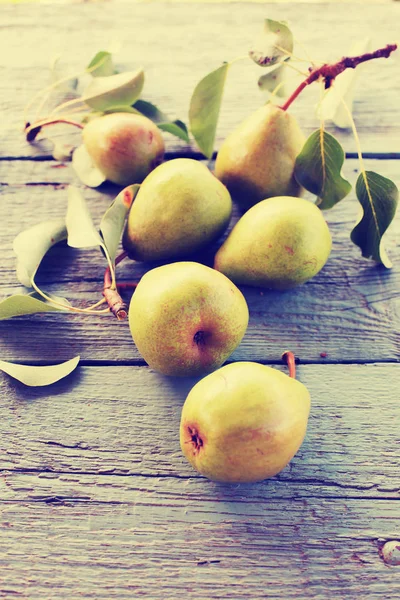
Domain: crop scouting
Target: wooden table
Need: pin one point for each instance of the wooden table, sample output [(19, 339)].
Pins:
[(96, 500)]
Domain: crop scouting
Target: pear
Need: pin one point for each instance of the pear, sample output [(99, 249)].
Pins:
[(186, 319), (244, 422), (124, 147), (279, 243), (180, 208), (256, 161)]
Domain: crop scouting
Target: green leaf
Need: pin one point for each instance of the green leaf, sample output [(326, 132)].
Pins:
[(113, 221), (150, 110), (31, 245), (20, 304), (39, 376), (318, 168), (204, 109), (275, 44), (274, 81), (177, 128), (123, 89), (81, 231), (122, 108), (85, 168), (101, 65), (378, 197)]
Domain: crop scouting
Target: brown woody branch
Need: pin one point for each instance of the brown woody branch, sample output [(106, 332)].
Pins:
[(329, 72)]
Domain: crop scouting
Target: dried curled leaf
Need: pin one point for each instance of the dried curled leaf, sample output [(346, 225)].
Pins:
[(31, 245), (85, 168), (81, 231), (122, 89), (274, 81), (39, 376), (29, 304), (274, 45), (113, 221)]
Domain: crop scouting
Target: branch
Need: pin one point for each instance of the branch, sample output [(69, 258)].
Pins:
[(31, 131), (117, 306), (330, 72)]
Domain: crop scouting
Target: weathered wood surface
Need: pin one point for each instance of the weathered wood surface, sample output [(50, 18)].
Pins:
[(96, 499), (176, 53), (351, 310), (161, 544), (92, 424)]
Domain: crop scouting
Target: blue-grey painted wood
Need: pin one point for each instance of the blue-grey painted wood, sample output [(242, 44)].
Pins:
[(158, 541), (125, 420), (350, 311), (178, 44)]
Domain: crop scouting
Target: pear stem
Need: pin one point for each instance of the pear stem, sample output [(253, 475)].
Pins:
[(289, 358), (117, 306), (31, 131), (329, 72)]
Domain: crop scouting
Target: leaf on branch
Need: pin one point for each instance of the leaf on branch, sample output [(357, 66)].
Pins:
[(122, 89), (152, 112), (81, 231), (274, 81), (204, 109), (20, 304), (378, 197), (343, 89), (85, 168), (176, 128), (101, 64), (275, 44), (112, 223), (318, 168), (31, 245), (39, 376)]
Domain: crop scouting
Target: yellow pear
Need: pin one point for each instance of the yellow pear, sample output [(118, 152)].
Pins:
[(279, 243), (256, 161), (186, 319), (123, 146), (244, 422), (180, 208)]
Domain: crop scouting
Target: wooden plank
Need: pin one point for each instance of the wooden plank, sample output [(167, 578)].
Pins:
[(164, 545), (176, 53), (350, 310), (125, 420)]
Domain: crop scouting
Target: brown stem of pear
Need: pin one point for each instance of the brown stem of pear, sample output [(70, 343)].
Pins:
[(289, 359), (31, 131), (117, 306), (329, 72)]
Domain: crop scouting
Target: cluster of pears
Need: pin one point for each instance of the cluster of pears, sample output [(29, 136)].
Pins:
[(244, 421)]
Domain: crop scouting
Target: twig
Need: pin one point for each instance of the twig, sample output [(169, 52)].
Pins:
[(329, 72), (118, 307)]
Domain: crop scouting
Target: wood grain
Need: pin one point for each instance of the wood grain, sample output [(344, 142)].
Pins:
[(350, 311), (178, 44), (125, 420), (163, 544)]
